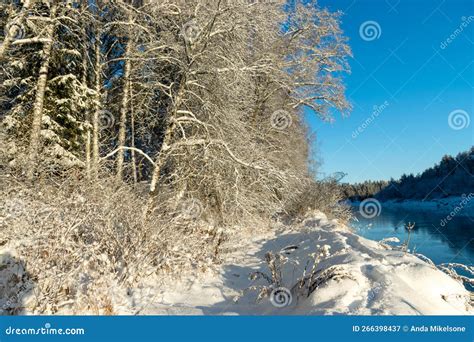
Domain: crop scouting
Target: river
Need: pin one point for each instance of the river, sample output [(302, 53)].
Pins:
[(442, 243)]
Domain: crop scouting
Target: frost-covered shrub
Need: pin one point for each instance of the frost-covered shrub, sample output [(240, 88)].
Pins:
[(279, 284), (86, 245), (324, 196)]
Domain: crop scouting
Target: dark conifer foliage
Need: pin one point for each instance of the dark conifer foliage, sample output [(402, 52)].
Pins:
[(452, 176)]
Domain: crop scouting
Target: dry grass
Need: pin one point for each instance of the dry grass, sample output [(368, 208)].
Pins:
[(85, 245), (317, 195), (78, 240), (312, 277)]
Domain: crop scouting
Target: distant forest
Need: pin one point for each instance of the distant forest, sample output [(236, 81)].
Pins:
[(452, 176)]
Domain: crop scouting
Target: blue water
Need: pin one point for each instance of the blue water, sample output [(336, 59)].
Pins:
[(452, 243)]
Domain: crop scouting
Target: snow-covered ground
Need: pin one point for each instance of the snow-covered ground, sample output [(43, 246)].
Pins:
[(381, 282), (370, 279)]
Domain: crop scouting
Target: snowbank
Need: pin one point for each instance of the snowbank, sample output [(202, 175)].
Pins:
[(370, 280), (381, 282)]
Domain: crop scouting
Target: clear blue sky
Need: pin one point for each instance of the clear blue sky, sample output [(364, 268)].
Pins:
[(421, 82)]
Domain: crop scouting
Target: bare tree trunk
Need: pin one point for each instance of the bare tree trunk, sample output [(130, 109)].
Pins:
[(157, 171), (88, 113), (97, 109), (123, 111), (132, 128), (161, 158), (166, 142), (162, 155), (39, 98)]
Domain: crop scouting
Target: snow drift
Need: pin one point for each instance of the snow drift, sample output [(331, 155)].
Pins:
[(372, 279), (380, 281)]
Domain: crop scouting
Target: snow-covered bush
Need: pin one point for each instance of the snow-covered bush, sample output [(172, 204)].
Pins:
[(324, 196), (84, 246), (278, 286)]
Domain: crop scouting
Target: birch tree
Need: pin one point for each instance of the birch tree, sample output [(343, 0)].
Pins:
[(40, 92), (205, 98)]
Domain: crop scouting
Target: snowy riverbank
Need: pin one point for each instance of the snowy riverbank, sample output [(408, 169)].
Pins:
[(462, 206), (380, 281), (454, 205), (367, 279)]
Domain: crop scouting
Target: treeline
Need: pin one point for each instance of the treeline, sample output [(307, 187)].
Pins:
[(453, 176), (200, 99), (139, 137), (361, 191)]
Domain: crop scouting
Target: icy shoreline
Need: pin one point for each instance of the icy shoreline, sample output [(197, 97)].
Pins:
[(380, 281), (460, 205), (371, 279)]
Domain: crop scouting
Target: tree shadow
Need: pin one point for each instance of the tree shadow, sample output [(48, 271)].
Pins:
[(15, 285), (236, 277)]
